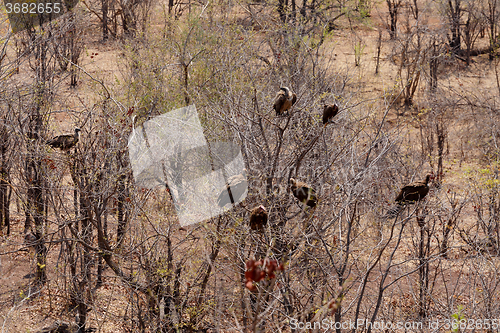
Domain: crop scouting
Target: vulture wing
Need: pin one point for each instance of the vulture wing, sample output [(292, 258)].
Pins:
[(304, 193), (311, 199), (279, 103), (329, 111), (63, 142), (289, 101), (286, 106), (413, 192)]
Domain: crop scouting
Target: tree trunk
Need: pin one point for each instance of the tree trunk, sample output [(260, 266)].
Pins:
[(4, 199), (85, 283), (75, 49), (393, 6), (105, 8), (379, 46), (492, 22), (433, 67), (441, 137), (36, 209), (100, 264), (120, 231), (5, 189), (423, 271), (170, 6), (33, 169), (455, 14)]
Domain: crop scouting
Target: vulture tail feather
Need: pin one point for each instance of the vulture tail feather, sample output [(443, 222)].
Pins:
[(394, 211)]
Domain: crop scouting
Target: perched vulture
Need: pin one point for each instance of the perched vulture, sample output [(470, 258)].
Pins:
[(284, 101), (329, 111), (258, 218), (235, 188), (412, 192), (303, 192), (65, 142)]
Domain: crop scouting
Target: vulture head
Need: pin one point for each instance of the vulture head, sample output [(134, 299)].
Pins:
[(286, 90)]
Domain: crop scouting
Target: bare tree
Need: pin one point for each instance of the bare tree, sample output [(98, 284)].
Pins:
[(454, 11), (471, 27), (491, 13), (6, 160), (394, 7), (34, 172)]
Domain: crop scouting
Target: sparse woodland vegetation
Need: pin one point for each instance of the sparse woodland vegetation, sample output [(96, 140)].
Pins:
[(417, 87)]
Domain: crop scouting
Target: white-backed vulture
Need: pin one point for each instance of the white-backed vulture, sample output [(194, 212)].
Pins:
[(284, 101), (303, 192)]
